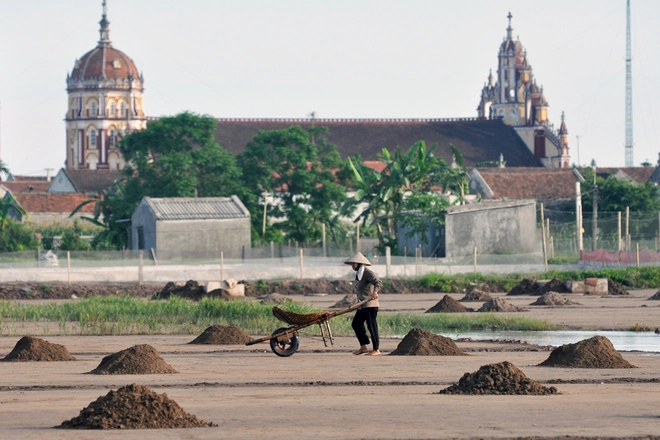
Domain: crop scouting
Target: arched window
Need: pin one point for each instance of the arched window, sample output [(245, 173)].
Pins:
[(93, 109), (122, 109), (113, 109), (92, 138), (113, 137)]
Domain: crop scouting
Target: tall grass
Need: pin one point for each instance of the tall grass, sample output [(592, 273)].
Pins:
[(129, 315)]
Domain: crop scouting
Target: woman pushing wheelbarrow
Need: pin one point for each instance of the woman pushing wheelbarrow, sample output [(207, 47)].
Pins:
[(284, 341), (367, 286)]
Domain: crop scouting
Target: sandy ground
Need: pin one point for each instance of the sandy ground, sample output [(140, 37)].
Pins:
[(330, 394)]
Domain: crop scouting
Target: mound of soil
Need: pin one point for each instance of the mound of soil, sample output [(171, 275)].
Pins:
[(134, 407), (342, 287), (596, 352), (65, 291), (476, 295), (29, 349), (499, 305), (614, 288), (222, 335), (554, 285), (448, 305), (486, 287), (274, 298), (553, 299), (502, 378), (139, 359), (345, 302), (420, 342), (656, 296), (526, 287)]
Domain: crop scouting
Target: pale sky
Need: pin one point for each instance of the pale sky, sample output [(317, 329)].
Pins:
[(338, 58)]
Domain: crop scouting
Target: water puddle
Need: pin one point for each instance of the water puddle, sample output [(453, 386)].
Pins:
[(622, 340)]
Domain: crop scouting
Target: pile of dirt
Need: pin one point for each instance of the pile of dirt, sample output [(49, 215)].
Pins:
[(526, 287), (134, 407), (554, 285), (139, 359), (274, 298), (614, 288), (596, 352), (345, 302), (420, 342), (499, 305), (476, 295), (448, 305), (656, 296), (336, 287), (222, 335), (502, 378), (66, 291), (191, 290), (553, 299), (29, 349)]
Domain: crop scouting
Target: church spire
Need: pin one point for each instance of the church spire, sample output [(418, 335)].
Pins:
[(105, 29), (509, 30)]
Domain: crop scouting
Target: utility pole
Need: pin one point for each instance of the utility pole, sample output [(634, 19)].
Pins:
[(594, 233)]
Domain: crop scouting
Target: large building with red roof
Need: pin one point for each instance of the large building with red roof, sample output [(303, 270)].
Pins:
[(105, 101)]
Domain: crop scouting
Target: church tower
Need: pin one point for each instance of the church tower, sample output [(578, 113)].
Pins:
[(105, 102), (518, 101)]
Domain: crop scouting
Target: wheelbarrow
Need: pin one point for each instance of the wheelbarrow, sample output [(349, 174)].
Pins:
[(284, 341)]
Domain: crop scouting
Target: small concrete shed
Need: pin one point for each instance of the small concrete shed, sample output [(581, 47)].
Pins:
[(191, 227)]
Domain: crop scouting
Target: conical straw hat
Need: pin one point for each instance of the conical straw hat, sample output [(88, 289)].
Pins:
[(359, 259)]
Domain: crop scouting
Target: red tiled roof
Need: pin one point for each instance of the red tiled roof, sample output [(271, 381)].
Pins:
[(23, 186), (30, 178), (55, 203), (478, 140), (530, 183), (640, 175)]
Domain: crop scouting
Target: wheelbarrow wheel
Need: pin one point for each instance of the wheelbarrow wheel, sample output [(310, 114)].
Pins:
[(285, 347)]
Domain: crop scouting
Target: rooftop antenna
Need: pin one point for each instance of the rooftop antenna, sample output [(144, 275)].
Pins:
[(629, 116)]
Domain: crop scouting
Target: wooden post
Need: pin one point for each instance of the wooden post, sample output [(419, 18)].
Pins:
[(222, 266), (545, 249), (627, 228), (578, 217), (357, 239), (594, 226), (475, 260), (619, 230), (637, 254), (153, 255), (580, 230), (301, 263), (272, 250), (140, 273), (39, 256), (405, 252), (388, 261), (263, 229), (552, 247), (323, 239), (68, 267)]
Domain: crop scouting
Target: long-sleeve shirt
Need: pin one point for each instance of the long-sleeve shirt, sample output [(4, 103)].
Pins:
[(365, 287)]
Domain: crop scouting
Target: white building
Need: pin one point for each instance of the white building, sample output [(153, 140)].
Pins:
[(105, 102)]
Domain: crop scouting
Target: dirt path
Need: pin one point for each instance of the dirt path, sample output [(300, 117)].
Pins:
[(331, 394)]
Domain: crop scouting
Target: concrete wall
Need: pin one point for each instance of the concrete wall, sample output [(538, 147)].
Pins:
[(494, 227), (190, 237)]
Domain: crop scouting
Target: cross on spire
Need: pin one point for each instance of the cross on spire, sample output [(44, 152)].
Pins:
[(509, 30)]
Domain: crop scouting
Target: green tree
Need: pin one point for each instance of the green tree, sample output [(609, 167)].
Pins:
[(405, 192), (178, 157), (16, 237), (71, 240), (615, 195), (296, 169)]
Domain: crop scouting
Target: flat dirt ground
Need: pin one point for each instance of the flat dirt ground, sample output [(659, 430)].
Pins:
[(327, 393)]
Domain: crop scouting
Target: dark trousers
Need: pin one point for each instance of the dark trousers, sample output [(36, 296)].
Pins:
[(368, 315)]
